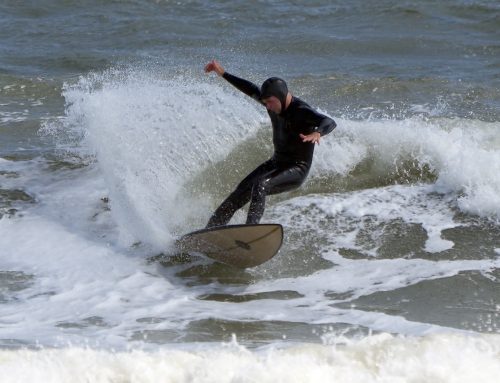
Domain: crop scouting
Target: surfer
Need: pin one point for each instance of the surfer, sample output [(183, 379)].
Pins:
[(296, 129)]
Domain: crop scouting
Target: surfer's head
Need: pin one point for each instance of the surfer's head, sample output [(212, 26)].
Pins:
[(273, 94)]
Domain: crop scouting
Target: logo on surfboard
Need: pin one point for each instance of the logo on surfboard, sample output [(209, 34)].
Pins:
[(242, 245)]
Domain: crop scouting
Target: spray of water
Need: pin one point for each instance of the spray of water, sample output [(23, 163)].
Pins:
[(152, 135)]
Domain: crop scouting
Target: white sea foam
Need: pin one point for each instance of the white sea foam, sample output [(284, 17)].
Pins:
[(74, 279), (348, 212), (464, 154), (437, 358)]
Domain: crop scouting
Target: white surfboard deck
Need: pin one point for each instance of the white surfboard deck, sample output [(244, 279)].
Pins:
[(236, 245)]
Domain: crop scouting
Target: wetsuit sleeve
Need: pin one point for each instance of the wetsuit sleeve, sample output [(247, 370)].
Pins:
[(323, 124), (245, 86), (326, 126)]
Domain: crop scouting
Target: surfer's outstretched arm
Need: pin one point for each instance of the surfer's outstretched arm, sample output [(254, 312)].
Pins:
[(245, 86)]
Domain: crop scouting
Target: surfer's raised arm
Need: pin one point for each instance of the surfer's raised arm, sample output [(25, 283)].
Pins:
[(245, 86)]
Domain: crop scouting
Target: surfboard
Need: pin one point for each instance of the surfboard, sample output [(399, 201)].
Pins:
[(241, 246)]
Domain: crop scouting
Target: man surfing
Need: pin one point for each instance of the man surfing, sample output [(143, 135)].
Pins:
[(296, 129)]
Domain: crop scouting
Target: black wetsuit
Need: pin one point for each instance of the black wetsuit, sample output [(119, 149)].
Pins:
[(288, 167)]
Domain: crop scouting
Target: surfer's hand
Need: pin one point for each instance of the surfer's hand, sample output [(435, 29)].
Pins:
[(313, 137), (214, 66)]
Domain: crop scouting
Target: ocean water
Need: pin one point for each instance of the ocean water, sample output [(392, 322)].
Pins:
[(113, 142)]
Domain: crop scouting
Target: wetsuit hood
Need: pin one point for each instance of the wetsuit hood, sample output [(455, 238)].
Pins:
[(276, 87)]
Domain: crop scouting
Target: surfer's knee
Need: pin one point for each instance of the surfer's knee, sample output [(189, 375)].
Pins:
[(261, 186)]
